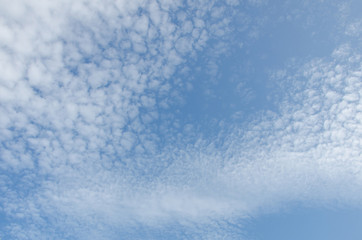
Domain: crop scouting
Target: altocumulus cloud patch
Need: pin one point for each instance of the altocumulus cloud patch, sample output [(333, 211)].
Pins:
[(96, 141)]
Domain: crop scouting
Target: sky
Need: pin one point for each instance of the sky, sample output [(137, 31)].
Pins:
[(190, 119)]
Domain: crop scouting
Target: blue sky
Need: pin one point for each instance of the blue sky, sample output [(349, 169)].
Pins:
[(180, 119)]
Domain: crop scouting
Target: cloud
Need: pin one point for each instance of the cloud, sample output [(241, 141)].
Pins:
[(307, 152), (81, 84), (82, 92), (81, 71)]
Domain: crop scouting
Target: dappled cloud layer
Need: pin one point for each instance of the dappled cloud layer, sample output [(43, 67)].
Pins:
[(82, 90)]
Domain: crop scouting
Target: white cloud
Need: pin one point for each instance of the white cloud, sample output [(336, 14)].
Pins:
[(309, 152), (74, 109), (80, 90)]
